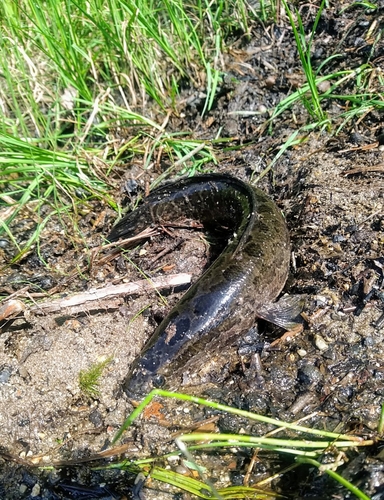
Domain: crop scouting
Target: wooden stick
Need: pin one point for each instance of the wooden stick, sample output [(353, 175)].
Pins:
[(109, 292)]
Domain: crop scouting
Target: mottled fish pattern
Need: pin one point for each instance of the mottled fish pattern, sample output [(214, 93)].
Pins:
[(237, 288)]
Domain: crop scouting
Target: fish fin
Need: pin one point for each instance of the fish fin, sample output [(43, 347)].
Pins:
[(285, 313)]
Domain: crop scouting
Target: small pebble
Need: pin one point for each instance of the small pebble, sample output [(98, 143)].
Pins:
[(323, 86), (338, 238), (321, 300), (356, 138), (270, 81), (309, 375), (369, 342), (5, 375), (181, 469), (23, 372), (96, 418), (131, 186), (329, 354), (320, 343), (23, 488), (262, 109), (35, 490)]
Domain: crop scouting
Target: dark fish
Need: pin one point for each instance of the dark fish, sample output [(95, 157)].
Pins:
[(80, 492), (238, 287)]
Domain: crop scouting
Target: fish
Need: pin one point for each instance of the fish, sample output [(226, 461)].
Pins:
[(240, 286)]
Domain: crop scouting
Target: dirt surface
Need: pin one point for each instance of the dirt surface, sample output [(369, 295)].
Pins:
[(331, 190)]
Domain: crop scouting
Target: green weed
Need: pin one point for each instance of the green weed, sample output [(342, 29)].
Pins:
[(310, 448), (304, 46), (89, 379)]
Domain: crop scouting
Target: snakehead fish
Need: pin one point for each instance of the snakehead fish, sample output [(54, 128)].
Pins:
[(240, 285)]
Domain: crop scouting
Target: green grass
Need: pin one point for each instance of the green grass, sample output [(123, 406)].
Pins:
[(111, 51), (310, 447), (358, 90), (33, 179), (304, 46), (89, 379)]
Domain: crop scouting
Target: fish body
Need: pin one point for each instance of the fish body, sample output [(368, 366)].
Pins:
[(237, 288)]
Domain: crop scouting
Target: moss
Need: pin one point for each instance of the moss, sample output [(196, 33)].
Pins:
[(89, 379)]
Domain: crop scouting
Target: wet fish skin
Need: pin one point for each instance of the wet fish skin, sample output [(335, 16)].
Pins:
[(236, 289)]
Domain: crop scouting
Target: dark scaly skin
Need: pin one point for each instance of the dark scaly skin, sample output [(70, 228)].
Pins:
[(225, 302)]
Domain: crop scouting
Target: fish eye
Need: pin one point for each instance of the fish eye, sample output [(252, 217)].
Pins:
[(158, 381)]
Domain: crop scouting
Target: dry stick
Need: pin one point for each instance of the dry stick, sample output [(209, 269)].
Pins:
[(364, 169), (110, 291), (366, 147)]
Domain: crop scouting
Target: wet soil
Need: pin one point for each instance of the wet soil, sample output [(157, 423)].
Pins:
[(331, 190)]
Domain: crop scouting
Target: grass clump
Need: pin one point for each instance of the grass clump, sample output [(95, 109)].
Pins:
[(61, 61), (304, 46), (71, 75), (319, 448), (89, 379)]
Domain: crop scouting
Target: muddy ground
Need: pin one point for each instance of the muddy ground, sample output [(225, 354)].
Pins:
[(331, 191)]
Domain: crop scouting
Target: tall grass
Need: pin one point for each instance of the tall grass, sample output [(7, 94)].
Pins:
[(55, 55), (82, 81), (304, 47)]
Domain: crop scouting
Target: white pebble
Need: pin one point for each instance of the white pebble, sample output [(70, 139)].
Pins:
[(320, 343), (35, 490)]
